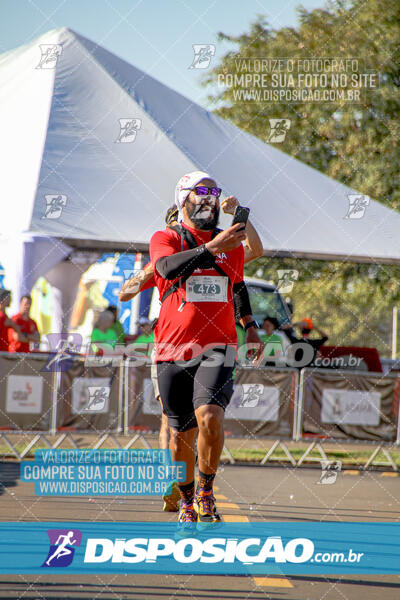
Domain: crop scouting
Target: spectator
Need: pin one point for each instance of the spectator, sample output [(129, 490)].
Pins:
[(146, 335), (117, 326), (103, 331), (270, 332), (306, 326), (19, 341), (5, 321)]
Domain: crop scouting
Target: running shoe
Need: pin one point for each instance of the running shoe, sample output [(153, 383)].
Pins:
[(171, 497), (187, 520), (204, 505)]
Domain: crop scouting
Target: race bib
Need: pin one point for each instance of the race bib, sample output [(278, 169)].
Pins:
[(206, 288)]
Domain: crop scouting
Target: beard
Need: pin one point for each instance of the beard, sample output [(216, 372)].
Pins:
[(203, 216)]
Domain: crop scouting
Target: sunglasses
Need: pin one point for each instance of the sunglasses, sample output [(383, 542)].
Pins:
[(202, 190)]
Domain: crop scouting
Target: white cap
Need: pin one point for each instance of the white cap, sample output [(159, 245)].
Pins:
[(182, 191)]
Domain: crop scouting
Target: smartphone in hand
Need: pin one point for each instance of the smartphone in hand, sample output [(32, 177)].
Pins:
[(240, 215)]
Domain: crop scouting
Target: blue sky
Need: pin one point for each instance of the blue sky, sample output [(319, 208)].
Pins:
[(154, 35)]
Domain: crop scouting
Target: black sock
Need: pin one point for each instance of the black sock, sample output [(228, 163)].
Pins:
[(206, 481), (187, 492)]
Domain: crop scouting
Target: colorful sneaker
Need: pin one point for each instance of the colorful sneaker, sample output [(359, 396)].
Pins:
[(204, 505), (171, 497), (187, 520)]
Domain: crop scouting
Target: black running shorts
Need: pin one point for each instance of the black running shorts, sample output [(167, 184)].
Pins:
[(185, 386)]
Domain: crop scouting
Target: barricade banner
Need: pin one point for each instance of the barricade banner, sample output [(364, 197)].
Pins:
[(262, 403), (89, 397), (345, 404), (26, 392)]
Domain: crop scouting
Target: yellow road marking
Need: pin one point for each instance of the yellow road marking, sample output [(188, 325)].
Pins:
[(234, 519), (228, 505), (220, 497), (389, 474), (216, 488), (272, 582), (351, 472)]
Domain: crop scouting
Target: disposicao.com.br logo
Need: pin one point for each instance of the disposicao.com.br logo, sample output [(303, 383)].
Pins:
[(232, 548), (61, 551), (190, 550)]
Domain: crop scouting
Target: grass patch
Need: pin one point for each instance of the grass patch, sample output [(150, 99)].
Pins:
[(356, 457), (255, 455)]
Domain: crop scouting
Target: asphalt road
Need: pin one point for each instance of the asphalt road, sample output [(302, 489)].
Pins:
[(244, 493)]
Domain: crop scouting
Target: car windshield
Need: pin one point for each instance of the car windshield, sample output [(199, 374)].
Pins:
[(265, 301)]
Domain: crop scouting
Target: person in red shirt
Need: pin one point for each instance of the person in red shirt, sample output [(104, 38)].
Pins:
[(19, 341), (144, 279), (199, 275), (5, 322)]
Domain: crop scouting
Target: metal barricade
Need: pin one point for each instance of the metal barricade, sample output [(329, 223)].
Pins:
[(348, 407)]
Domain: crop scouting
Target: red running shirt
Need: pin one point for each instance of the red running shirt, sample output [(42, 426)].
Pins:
[(26, 326), (3, 332), (200, 325)]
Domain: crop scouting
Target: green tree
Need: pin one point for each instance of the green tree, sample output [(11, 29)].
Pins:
[(356, 144), (353, 303)]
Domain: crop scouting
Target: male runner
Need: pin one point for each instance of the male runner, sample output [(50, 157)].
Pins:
[(145, 278), (198, 287)]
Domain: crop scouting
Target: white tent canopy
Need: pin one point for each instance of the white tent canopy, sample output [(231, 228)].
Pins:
[(60, 128)]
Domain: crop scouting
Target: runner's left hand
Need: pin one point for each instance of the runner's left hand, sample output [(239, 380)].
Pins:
[(229, 205)]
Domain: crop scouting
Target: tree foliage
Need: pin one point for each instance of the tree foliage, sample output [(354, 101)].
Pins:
[(356, 144)]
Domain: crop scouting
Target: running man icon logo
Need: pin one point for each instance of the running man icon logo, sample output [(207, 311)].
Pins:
[(62, 347), (357, 206), (98, 397), (279, 129), (139, 275), (203, 54), (330, 470), (287, 279), (62, 547), (128, 130), (55, 204), (50, 54), (252, 394)]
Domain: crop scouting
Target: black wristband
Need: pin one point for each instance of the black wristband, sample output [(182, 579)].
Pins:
[(251, 324), (241, 300)]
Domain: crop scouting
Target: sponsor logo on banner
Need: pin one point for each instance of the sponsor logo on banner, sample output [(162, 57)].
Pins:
[(253, 402), (90, 395), (24, 394), (61, 551), (350, 407)]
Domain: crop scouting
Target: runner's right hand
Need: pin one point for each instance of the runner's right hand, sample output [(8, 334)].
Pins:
[(227, 240)]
